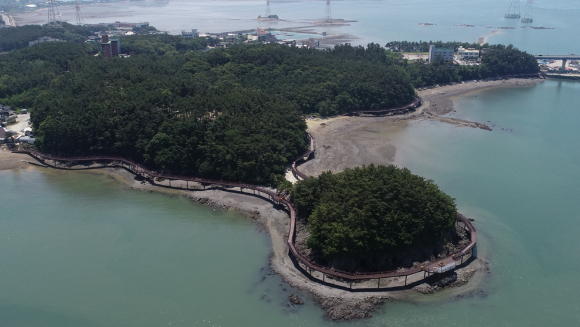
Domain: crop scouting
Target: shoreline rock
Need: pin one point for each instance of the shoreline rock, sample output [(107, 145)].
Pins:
[(295, 299)]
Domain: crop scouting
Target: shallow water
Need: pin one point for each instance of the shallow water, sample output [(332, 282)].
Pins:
[(78, 249), (521, 185)]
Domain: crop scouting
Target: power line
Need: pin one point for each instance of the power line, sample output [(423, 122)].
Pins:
[(79, 20), (514, 9), (528, 16), (327, 13), (268, 12), (53, 15)]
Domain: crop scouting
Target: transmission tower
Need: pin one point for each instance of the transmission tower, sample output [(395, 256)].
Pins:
[(53, 15), (268, 12), (529, 11), (327, 15), (514, 10), (80, 20)]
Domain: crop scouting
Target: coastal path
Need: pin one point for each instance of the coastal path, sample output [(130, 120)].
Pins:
[(309, 267)]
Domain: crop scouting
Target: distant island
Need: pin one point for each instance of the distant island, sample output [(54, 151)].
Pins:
[(269, 17)]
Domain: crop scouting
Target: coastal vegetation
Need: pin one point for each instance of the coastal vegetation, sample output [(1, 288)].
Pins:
[(163, 44), (423, 46), (500, 61), (27, 72), (361, 216), (19, 36), (228, 113), (234, 113)]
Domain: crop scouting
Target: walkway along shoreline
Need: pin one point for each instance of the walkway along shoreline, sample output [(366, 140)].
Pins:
[(438, 266)]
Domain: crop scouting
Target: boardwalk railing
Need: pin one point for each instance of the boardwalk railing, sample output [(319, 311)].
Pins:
[(393, 110), (431, 267)]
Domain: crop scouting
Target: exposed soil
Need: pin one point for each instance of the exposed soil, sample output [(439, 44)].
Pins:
[(348, 142), (9, 160)]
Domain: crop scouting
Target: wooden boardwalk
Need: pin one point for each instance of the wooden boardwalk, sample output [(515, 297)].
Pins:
[(437, 266)]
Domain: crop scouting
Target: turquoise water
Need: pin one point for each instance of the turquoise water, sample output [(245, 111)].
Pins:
[(522, 188), (77, 249)]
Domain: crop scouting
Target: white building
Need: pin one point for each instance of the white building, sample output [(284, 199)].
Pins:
[(446, 54), (467, 54)]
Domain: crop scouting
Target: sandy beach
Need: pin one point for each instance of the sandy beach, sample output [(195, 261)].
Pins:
[(348, 142), (341, 142)]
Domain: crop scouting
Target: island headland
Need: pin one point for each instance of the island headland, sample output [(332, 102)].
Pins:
[(225, 120), (340, 304)]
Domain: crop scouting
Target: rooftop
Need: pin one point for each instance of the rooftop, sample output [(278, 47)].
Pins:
[(443, 49)]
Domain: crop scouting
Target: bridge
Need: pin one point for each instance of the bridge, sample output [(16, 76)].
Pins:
[(564, 58)]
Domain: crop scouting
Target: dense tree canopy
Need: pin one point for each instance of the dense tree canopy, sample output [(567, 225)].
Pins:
[(19, 36), (26, 72), (162, 44), (375, 209), (423, 46), (227, 113), (498, 62), (232, 114)]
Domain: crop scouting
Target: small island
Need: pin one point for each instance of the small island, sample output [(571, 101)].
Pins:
[(375, 218), (269, 17)]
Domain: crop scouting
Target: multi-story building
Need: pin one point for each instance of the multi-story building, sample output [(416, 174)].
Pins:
[(446, 54), (467, 54), (110, 47)]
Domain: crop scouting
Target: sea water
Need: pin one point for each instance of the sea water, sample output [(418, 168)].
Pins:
[(379, 21), (520, 182), (80, 249)]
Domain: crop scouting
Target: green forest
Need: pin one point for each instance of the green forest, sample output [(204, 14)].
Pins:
[(163, 44), (499, 62), (362, 213), (18, 37), (423, 46), (234, 113)]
